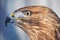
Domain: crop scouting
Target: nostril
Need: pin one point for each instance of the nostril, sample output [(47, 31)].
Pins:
[(12, 15)]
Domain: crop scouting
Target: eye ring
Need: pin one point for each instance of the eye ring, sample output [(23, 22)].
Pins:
[(27, 13)]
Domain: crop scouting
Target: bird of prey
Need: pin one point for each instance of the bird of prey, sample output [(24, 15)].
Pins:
[(39, 22)]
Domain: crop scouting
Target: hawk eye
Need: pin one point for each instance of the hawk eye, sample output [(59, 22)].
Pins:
[(27, 13)]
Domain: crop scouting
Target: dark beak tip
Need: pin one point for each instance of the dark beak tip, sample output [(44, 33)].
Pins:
[(7, 20)]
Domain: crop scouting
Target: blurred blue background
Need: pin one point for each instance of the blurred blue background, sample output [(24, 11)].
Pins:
[(12, 32)]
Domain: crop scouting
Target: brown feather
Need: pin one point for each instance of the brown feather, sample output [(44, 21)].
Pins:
[(43, 24)]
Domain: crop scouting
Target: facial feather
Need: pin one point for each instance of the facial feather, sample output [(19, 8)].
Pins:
[(43, 24)]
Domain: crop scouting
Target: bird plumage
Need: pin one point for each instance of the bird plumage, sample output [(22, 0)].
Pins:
[(42, 24)]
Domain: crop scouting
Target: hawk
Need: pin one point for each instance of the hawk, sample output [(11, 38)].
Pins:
[(39, 22)]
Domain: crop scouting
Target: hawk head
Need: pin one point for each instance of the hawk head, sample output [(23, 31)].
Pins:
[(35, 20)]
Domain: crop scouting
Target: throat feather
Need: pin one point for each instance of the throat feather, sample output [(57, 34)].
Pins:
[(41, 34)]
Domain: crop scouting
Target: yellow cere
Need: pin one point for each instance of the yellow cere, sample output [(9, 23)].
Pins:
[(12, 14)]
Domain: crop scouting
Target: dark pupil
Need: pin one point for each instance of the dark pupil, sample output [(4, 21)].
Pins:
[(27, 13)]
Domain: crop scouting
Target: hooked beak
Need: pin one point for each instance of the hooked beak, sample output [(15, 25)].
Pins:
[(8, 19)]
